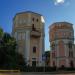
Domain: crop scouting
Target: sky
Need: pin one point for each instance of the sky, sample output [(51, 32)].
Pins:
[(52, 10)]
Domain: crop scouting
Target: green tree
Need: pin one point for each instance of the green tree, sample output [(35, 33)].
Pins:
[(9, 57), (1, 32)]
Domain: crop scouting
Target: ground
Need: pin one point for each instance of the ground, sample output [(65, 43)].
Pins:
[(33, 74)]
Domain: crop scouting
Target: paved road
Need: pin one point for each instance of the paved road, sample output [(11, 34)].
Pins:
[(32, 74)]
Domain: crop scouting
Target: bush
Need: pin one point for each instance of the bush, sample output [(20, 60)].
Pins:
[(38, 69)]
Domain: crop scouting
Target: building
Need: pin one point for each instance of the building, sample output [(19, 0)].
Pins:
[(61, 37), (28, 29)]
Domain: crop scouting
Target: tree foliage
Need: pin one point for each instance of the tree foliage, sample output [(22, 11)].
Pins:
[(9, 57), (1, 32)]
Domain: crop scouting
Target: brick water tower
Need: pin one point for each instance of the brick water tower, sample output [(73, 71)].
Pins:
[(61, 37)]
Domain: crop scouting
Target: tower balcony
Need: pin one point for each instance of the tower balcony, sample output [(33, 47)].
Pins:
[(35, 34)]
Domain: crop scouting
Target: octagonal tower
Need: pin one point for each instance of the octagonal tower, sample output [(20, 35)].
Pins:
[(28, 29), (61, 37)]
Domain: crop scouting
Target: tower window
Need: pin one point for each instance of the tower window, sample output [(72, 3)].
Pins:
[(37, 20), (70, 45), (70, 53), (33, 19), (34, 49), (33, 28)]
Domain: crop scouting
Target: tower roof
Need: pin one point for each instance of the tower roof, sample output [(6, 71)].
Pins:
[(59, 23), (28, 12)]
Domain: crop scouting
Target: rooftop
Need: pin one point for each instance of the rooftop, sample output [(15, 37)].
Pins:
[(27, 12), (59, 23)]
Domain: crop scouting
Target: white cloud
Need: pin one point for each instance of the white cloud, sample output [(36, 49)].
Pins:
[(56, 2)]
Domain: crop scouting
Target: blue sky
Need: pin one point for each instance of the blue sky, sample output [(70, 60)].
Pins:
[(52, 10)]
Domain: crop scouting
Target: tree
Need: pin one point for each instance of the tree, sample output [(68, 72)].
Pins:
[(9, 57), (1, 32)]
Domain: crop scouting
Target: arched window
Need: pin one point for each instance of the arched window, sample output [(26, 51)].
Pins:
[(37, 20), (34, 49), (33, 28)]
